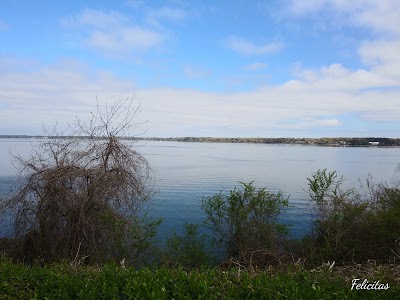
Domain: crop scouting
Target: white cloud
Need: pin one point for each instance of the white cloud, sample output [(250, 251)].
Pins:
[(156, 16), (55, 94), (379, 54), (313, 6), (96, 19), (195, 72), (124, 39), (245, 47), (380, 16), (303, 7), (135, 3), (58, 93), (256, 66), (113, 33), (328, 122), (303, 124), (337, 78), (332, 71), (382, 56)]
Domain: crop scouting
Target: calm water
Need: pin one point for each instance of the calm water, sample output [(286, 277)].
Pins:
[(186, 172)]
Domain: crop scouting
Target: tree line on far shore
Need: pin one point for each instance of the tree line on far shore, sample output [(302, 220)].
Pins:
[(337, 141), (326, 141)]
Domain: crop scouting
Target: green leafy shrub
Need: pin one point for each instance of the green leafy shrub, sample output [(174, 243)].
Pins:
[(351, 227), (189, 250), (245, 224), (384, 223)]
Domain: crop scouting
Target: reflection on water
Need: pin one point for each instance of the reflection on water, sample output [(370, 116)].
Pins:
[(186, 172)]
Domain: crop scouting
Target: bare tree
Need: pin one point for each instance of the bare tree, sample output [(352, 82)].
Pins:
[(82, 192)]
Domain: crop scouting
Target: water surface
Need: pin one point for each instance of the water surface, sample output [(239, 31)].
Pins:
[(186, 172)]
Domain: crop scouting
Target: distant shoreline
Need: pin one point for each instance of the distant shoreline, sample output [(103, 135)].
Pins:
[(337, 141)]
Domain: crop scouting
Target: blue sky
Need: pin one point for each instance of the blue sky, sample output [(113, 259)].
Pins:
[(278, 68)]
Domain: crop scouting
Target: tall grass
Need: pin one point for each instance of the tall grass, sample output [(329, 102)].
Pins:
[(61, 281)]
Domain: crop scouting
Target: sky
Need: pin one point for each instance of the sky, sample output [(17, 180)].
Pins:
[(276, 68)]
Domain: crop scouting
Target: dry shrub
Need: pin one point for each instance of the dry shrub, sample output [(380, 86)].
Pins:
[(81, 193)]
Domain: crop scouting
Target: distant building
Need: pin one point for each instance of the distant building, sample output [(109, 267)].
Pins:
[(342, 143), (373, 143)]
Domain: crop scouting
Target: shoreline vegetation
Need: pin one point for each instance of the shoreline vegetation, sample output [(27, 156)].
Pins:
[(66, 281), (81, 230), (260, 260), (336, 141)]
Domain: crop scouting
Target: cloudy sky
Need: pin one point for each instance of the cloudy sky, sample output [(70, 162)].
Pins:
[(276, 68)]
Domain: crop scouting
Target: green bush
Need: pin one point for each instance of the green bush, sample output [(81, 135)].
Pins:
[(384, 223), (245, 224), (190, 250), (351, 227)]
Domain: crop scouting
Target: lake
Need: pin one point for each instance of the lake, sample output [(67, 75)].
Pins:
[(186, 172)]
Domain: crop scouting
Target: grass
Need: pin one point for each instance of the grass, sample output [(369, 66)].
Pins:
[(62, 281)]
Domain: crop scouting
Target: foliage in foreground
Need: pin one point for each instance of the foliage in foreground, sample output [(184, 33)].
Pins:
[(245, 224), (349, 228), (80, 197), (189, 250), (113, 282), (352, 227)]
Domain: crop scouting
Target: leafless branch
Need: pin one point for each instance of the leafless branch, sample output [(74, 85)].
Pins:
[(78, 190)]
